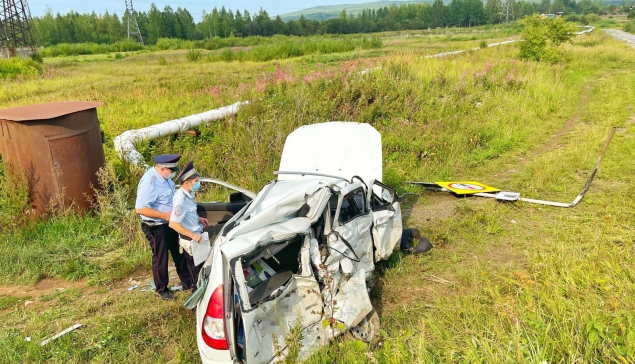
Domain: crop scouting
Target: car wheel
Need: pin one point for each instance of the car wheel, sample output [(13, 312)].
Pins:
[(368, 330)]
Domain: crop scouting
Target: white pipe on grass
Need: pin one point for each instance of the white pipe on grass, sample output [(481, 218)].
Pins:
[(589, 29), (124, 142)]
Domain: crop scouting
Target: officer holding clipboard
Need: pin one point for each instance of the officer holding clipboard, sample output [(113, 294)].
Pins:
[(185, 220)]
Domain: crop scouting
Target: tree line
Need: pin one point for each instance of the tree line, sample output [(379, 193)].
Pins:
[(168, 23)]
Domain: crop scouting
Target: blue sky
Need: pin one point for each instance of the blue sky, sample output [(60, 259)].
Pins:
[(195, 7)]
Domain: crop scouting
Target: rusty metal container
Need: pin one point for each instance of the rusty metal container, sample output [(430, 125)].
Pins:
[(56, 148)]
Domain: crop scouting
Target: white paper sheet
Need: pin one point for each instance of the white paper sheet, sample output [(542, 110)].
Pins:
[(200, 251)]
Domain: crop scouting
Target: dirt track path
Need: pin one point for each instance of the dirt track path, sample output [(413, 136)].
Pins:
[(626, 37), (35, 296)]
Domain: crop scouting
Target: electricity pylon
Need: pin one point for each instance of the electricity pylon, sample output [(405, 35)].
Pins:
[(15, 28), (507, 14), (133, 27)]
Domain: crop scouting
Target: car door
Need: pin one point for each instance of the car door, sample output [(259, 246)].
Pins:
[(350, 239), (219, 213), (349, 263), (387, 224)]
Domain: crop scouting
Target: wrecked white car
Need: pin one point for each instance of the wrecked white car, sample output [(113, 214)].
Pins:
[(301, 253)]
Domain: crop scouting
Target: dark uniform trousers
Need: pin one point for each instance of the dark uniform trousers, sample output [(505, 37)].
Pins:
[(163, 239)]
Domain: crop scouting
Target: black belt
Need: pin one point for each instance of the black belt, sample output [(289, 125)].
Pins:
[(185, 237)]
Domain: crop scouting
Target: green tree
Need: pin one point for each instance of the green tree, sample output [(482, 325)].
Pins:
[(154, 24), (527, 8), (168, 23), (438, 14), (493, 11), (542, 36), (474, 12), (46, 28), (557, 6), (456, 13), (239, 24), (184, 24), (544, 6)]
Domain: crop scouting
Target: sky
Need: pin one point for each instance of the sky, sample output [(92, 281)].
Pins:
[(195, 7)]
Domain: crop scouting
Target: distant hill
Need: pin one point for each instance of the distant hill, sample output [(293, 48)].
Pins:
[(333, 11)]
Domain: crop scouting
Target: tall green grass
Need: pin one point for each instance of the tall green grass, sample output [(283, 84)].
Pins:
[(73, 246), (437, 116), (294, 48), (252, 41), (17, 67), (76, 49), (504, 283)]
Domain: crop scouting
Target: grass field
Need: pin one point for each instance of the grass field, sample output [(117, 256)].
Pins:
[(514, 283)]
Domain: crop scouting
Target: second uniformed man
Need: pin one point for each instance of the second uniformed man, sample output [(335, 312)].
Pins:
[(154, 203)]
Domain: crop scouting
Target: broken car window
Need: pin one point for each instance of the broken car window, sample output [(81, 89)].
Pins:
[(353, 205)]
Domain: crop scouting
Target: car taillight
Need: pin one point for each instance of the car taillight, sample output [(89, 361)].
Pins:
[(214, 333)]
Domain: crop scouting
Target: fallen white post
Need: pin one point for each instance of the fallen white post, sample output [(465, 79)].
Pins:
[(76, 326), (124, 142)]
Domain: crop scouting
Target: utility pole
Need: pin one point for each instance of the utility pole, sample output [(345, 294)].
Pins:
[(133, 27), (16, 35)]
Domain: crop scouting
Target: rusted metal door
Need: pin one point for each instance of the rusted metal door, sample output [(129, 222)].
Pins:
[(71, 154)]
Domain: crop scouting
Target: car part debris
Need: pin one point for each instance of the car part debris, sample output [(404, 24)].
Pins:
[(150, 287), (369, 329), (57, 336), (176, 287), (423, 244), (515, 196), (502, 196)]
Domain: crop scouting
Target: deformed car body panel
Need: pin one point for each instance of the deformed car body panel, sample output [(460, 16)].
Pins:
[(228, 185), (387, 224), (267, 323), (281, 201)]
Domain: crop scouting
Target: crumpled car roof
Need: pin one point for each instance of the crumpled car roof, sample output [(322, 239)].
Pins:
[(280, 201)]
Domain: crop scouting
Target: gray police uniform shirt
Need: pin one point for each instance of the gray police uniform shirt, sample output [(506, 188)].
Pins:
[(155, 192), (185, 211)]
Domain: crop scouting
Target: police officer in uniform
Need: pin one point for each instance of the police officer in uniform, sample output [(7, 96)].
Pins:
[(185, 219), (154, 203)]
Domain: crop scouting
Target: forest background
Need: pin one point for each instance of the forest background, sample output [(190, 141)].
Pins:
[(155, 24)]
